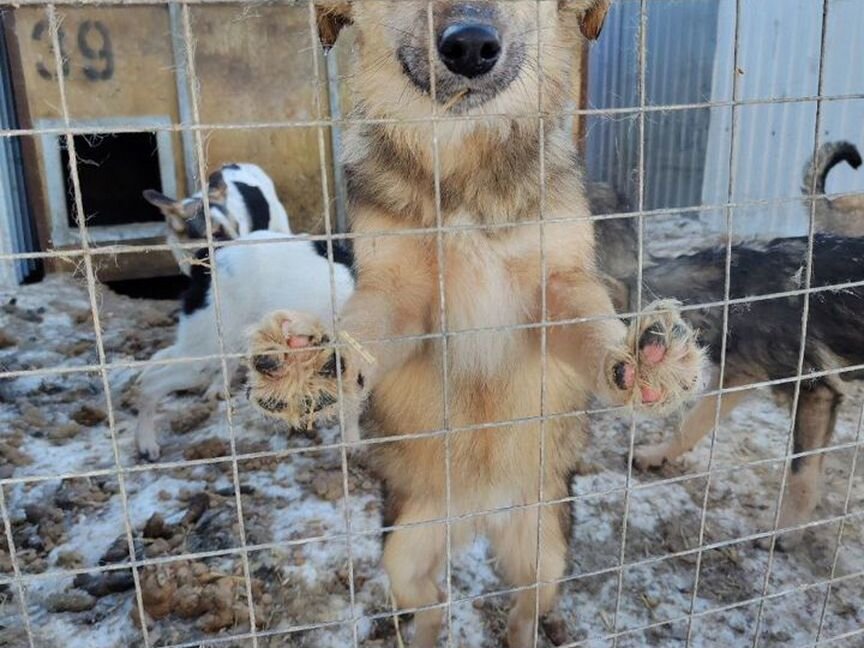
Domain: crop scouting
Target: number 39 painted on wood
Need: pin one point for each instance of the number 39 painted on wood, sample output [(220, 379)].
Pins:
[(102, 52)]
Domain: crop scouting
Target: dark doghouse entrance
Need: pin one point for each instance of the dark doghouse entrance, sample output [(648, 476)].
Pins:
[(113, 170)]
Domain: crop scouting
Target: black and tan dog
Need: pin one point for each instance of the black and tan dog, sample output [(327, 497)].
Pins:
[(763, 342), (764, 336), (617, 244), (500, 168)]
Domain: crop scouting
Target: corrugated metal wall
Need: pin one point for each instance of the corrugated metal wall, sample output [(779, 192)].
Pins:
[(16, 229), (690, 58), (779, 58)]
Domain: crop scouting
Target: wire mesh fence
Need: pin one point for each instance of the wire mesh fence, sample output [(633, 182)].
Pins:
[(245, 532)]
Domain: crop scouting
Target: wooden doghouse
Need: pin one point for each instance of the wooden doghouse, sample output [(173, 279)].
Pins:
[(126, 77)]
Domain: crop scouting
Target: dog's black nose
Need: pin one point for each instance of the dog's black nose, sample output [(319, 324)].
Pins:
[(469, 50)]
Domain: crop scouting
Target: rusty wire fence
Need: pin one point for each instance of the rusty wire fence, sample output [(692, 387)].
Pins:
[(251, 561)]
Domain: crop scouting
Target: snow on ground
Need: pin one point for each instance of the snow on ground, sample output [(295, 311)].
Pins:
[(294, 516)]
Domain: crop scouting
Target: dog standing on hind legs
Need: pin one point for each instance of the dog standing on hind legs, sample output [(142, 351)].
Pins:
[(486, 63)]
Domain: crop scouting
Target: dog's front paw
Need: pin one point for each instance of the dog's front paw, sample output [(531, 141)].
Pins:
[(293, 375), (649, 457), (668, 369)]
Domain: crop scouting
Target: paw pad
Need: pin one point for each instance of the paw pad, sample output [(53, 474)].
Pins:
[(268, 365), (669, 363), (293, 371)]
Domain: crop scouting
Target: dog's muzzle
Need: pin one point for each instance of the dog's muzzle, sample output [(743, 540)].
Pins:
[(475, 61)]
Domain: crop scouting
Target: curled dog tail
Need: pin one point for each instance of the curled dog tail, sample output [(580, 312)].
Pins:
[(827, 157)]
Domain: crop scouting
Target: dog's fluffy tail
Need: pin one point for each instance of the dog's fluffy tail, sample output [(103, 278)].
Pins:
[(827, 157)]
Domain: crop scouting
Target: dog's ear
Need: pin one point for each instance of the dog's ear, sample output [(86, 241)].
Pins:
[(333, 16), (593, 17), (170, 208), (217, 190), (159, 200)]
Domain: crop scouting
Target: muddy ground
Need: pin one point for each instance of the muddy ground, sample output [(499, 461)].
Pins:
[(71, 535)]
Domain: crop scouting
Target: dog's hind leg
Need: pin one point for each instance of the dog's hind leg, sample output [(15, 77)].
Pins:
[(814, 424), (413, 559), (698, 423), (514, 540)]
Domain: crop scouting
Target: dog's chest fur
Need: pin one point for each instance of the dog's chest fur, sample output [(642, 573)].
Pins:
[(490, 176), (489, 197), (486, 287)]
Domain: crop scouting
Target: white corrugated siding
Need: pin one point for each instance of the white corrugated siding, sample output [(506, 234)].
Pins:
[(690, 58), (680, 45)]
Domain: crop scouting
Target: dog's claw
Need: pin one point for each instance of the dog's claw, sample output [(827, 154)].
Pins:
[(652, 335), (271, 405), (330, 367), (266, 364), (620, 373)]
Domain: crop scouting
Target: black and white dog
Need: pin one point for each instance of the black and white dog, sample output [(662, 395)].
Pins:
[(242, 200), (263, 271)]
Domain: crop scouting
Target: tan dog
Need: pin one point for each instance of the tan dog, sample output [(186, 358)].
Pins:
[(491, 268)]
